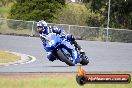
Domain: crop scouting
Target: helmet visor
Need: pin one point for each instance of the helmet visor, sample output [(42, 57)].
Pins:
[(39, 28)]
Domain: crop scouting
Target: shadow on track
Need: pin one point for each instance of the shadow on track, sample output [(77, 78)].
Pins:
[(63, 66)]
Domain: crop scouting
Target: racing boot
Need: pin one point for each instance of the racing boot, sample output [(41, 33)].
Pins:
[(83, 58), (73, 41), (78, 47)]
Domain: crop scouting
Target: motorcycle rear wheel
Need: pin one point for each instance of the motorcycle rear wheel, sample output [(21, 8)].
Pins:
[(84, 61)]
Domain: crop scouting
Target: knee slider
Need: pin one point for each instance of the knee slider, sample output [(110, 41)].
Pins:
[(50, 56)]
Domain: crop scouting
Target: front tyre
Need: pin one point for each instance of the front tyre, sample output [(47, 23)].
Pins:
[(65, 58)]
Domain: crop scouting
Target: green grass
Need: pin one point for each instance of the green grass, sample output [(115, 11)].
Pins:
[(50, 81), (7, 57), (9, 31), (4, 29), (4, 10)]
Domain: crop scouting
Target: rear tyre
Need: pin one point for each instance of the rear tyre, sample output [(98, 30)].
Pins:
[(84, 60), (64, 58)]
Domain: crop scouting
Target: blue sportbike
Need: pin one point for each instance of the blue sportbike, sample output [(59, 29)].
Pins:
[(63, 50)]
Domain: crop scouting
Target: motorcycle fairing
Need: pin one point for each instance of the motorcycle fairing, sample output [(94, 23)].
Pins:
[(75, 56)]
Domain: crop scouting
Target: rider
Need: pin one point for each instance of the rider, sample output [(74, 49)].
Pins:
[(42, 28)]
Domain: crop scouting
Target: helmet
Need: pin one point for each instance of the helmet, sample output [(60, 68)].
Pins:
[(41, 25)]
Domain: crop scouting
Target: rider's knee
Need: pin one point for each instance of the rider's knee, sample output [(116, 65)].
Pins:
[(70, 37), (50, 56)]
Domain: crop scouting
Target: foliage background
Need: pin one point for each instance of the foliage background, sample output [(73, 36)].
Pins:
[(120, 12), (87, 13), (36, 9)]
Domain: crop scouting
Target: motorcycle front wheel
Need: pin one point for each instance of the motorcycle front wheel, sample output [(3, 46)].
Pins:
[(65, 58)]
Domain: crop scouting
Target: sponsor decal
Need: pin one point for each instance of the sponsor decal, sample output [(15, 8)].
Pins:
[(82, 78)]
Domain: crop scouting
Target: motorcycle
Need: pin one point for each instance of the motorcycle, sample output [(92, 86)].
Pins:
[(63, 50)]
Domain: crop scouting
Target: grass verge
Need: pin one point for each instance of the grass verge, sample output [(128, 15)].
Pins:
[(4, 10), (50, 81), (6, 57)]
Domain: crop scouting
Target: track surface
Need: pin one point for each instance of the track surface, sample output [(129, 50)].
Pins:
[(104, 56)]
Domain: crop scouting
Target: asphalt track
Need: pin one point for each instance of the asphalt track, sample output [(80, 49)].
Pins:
[(104, 56)]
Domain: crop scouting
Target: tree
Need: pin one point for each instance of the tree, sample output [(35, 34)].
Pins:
[(5, 2), (120, 14), (36, 9)]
